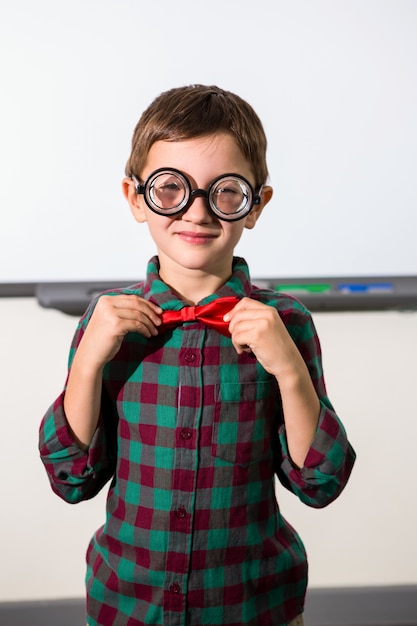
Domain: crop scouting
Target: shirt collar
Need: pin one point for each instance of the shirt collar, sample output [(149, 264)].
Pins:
[(154, 288)]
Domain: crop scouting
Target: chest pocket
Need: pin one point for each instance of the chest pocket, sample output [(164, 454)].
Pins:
[(243, 419)]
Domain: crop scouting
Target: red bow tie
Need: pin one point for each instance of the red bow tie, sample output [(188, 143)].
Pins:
[(210, 314)]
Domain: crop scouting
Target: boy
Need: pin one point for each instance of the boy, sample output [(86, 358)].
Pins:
[(192, 421)]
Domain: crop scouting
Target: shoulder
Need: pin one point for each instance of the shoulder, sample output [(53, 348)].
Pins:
[(296, 317), (283, 302), (138, 289)]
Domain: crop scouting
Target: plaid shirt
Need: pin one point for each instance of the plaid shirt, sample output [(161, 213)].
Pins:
[(192, 435)]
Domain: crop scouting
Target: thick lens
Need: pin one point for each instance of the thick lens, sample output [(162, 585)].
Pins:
[(167, 192), (231, 197)]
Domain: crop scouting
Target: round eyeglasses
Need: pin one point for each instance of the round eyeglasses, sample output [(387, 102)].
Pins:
[(168, 191)]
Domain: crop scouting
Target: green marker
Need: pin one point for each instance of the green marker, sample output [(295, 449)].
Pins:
[(304, 288)]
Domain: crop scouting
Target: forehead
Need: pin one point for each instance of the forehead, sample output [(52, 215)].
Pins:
[(201, 158)]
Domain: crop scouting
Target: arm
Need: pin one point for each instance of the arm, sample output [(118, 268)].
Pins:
[(78, 433), (113, 318), (314, 459)]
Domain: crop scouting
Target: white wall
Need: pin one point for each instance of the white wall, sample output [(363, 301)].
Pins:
[(335, 85), (367, 537)]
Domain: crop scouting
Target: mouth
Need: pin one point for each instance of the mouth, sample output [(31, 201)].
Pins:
[(196, 238)]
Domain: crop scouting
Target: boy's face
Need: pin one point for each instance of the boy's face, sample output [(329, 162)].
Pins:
[(195, 240)]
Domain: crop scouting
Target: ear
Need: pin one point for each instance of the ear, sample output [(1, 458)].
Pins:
[(252, 218), (134, 200)]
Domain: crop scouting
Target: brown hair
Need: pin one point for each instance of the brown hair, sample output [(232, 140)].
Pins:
[(196, 111)]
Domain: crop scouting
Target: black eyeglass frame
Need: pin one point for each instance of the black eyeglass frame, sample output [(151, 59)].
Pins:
[(254, 196)]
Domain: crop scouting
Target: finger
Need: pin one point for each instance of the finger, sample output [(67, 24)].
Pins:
[(254, 322), (127, 314), (135, 307), (139, 321), (245, 304), (241, 348), (138, 304)]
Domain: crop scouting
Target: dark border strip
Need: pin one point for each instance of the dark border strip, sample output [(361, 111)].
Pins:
[(357, 606), (17, 290), (362, 606), (319, 294)]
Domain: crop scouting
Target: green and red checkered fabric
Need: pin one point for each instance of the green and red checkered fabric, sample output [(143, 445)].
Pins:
[(191, 435)]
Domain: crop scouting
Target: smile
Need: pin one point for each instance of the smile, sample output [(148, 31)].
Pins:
[(196, 238)]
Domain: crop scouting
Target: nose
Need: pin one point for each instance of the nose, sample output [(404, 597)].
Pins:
[(198, 208)]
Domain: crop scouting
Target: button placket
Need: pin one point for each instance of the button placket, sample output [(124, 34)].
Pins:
[(185, 466)]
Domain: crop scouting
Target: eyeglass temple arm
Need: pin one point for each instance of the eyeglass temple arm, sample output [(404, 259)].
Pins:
[(140, 189), (257, 196)]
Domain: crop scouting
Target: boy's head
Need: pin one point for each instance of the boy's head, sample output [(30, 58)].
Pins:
[(197, 111)]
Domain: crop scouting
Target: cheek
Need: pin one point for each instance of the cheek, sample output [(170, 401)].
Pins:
[(157, 224), (234, 230)]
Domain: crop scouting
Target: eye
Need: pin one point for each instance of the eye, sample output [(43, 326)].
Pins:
[(167, 191), (228, 197), (227, 190), (169, 187)]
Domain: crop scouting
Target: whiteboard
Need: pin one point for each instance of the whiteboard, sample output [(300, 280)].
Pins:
[(334, 82)]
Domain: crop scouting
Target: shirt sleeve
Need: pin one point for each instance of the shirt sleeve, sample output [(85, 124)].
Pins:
[(76, 474), (330, 459)]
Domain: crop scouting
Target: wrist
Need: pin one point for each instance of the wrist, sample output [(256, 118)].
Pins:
[(86, 365), (291, 379)]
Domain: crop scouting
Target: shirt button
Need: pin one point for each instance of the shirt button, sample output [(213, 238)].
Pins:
[(175, 588), (181, 512), (190, 357), (186, 434)]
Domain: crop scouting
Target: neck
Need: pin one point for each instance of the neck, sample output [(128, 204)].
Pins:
[(194, 285)]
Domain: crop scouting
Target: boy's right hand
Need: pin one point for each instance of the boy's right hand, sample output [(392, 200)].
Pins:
[(112, 318)]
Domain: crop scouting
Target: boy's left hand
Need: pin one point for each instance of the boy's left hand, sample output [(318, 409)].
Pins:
[(258, 328)]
